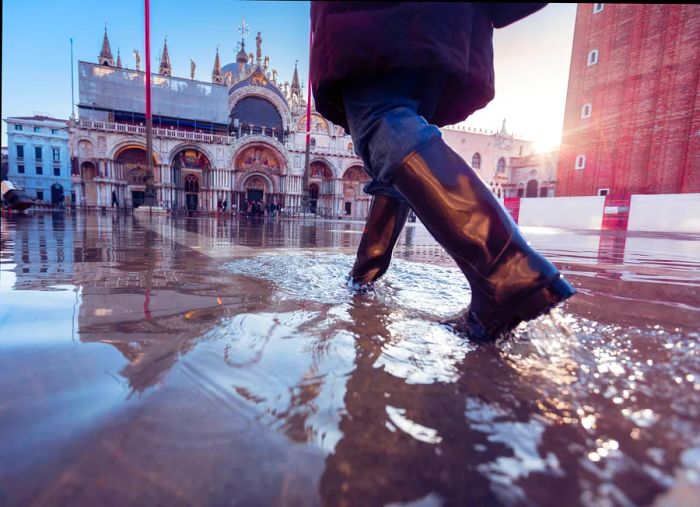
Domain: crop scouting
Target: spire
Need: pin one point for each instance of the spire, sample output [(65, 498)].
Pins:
[(119, 59), (242, 57), (216, 76), (106, 53), (295, 88), (165, 68), (503, 127)]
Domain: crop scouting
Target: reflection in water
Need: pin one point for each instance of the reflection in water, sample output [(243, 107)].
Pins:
[(251, 376)]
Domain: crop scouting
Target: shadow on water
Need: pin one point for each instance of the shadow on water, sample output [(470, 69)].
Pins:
[(158, 375)]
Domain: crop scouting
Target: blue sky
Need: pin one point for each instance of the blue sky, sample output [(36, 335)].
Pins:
[(532, 56)]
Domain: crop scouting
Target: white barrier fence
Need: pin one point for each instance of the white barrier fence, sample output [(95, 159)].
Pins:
[(678, 213), (665, 212), (564, 212)]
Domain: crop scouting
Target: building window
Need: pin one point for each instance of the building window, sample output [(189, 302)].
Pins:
[(18, 127), (603, 191), (543, 190), (37, 152), (476, 161), (586, 111), (54, 131), (580, 162), (39, 170), (40, 195), (56, 153), (37, 129), (20, 169), (593, 57), (501, 166), (20, 151), (56, 171), (597, 8), (312, 143)]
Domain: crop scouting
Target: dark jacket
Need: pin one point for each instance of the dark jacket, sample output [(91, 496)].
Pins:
[(363, 38)]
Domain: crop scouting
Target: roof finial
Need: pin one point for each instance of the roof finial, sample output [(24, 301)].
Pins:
[(165, 69), (216, 76), (295, 88), (106, 57), (119, 58)]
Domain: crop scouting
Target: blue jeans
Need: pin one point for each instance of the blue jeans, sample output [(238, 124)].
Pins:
[(389, 118)]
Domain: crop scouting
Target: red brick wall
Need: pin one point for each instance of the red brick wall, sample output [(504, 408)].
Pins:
[(643, 135)]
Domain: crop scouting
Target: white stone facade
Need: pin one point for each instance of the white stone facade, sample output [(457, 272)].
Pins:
[(237, 140)]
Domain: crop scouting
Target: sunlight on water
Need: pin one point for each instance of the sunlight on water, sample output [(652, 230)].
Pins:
[(598, 380)]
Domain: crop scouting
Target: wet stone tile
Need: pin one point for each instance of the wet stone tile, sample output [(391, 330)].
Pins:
[(224, 362)]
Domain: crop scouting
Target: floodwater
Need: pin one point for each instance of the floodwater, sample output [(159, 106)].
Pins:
[(223, 362)]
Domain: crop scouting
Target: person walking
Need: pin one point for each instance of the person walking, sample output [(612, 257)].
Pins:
[(392, 74)]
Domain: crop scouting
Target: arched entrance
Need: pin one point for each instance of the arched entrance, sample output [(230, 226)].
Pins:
[(355, 201), (314, 191), (255, 189), (191, 169), (259, 168), (132, 162), (531, 190), (321, 188), (57, 195), (89, 172), (191, 192)]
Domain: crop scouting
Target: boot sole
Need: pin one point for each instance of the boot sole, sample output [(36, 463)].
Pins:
[(532, 306), (538, 303)]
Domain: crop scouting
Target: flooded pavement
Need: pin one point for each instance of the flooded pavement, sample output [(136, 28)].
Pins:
[(223, 362)]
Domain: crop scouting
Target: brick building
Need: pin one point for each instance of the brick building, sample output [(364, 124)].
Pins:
[(632, 118)]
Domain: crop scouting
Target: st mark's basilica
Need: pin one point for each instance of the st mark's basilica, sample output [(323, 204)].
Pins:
[(237, 138)]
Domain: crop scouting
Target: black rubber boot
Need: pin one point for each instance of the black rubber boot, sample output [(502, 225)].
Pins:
[(385, 221), (510, 282)]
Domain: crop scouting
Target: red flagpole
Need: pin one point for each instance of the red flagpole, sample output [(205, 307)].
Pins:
[(150, 178), (305, 179), (308, 93), (148, 59)]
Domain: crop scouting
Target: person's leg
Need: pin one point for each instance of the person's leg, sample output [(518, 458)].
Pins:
[(510, 281), (385, 220), (388, 210)]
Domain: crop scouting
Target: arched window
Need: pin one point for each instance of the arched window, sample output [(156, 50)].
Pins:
[(521, 190), (476, 161), (312, 143), (593, 57), (252, 113), (191, 184), (543, 189), (501, 166), (580, 162), (586, 111)]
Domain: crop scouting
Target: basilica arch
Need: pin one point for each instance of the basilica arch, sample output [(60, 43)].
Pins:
[(322, 186), (191, 174), (355, 202), (260, 172), (265, 93), (130, 163)]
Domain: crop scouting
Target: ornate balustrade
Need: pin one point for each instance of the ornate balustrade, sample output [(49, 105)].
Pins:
[(125, 128)]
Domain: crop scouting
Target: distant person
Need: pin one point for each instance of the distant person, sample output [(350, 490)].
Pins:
[(391, 74), (115, 201)]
